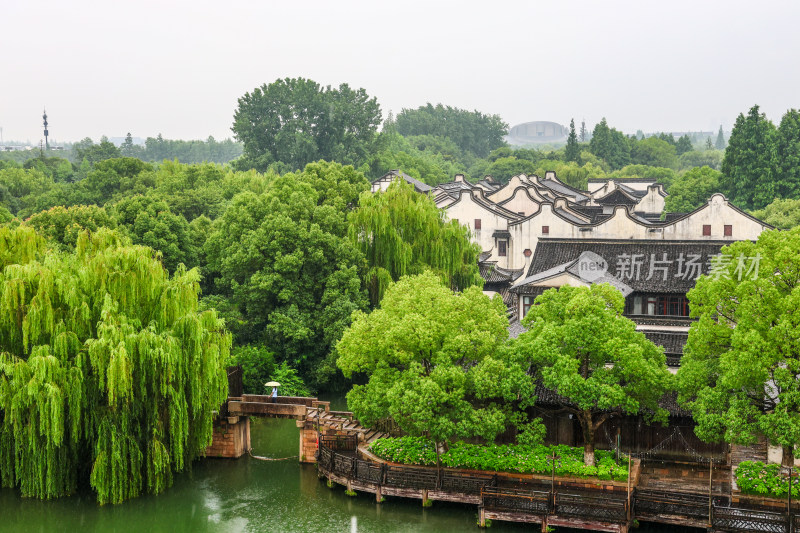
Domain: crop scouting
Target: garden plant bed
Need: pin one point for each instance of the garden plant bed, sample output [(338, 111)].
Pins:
[(531, 464), (760, 481)]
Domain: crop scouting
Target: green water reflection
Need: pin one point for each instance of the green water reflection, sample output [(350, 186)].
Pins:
[(246, 495)]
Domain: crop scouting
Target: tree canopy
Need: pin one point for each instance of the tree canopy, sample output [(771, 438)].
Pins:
[(295, 121), (610, 145), (434, 362), (782, 213), (579, 346), (401, 232), (748, 173), (108, 372), (692, 189), (740, 369), (472, 131), (284, 259)]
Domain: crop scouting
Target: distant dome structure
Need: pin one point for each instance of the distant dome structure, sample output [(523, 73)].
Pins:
[(538, 131)]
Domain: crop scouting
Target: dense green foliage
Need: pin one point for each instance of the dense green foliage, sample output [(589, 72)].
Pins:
[(518, 458), (787, 155), (108, 371), (783, 214), (754, 477), (748, 174), (157, 149), (580, 346), (295, 121), (284, 259), (610, 145), (434, 362), (739, 372), (572, 152), (471, 131), (401, 232), (63, 225), (692, 189), (762, 162)]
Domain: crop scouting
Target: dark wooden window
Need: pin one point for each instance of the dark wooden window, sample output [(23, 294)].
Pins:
[(728, 230), (657, 305), (706, 230), (545, 230), (477, 223), (501, 248), (527, 302)]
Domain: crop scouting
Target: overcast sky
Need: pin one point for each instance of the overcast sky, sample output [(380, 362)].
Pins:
[(177, 68)]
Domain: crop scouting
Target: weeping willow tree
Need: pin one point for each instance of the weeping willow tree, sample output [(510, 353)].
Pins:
[(108, 372), (402, 232)]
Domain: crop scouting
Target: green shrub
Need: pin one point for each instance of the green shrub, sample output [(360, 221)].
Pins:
[(754, 477), (502, 458)]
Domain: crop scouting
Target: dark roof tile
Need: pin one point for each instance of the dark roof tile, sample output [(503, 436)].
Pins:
[(631, 260)]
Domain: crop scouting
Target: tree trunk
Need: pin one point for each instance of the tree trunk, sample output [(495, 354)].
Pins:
[(588, 438), (788, 456)]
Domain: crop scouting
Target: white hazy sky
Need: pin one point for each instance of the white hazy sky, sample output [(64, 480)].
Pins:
[(178, 67)]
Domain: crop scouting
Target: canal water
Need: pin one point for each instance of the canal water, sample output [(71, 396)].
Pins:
[(249, 495)]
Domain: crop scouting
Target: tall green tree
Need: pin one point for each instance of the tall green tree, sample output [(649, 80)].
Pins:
[(91, 152), (683, 145), (783, 213), (63, 225), (149, 222), (295, 121), (610, 145), (435, 362), (748, 165), (401, 232), (740, 373), (692, 189), (284, 259), (720, 143), (108, 373), (573, 151), (580, 346), (472, 131), (654, 152), (787, 155)]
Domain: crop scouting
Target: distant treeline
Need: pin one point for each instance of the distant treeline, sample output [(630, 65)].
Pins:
[(155, 149)]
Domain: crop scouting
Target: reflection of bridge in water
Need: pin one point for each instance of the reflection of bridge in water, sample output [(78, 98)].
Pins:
[(685, 494)]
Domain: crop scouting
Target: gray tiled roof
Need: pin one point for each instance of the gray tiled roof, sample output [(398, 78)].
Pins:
[(564, 190), (418, 185), (672, 341), (664, 277), (617, 197), (494, 274)]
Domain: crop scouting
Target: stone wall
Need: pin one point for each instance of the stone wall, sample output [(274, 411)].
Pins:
[(231, 437)]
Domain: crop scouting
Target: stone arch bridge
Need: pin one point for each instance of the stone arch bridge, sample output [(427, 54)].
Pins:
[(313, 417)]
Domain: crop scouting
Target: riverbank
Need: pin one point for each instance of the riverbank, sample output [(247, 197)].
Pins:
[(247, 495)]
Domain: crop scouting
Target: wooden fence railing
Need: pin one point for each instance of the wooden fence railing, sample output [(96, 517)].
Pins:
[(586, 504), (517, 500), (748, 520), (657, 502)]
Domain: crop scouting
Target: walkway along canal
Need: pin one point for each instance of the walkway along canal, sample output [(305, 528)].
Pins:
[(668, 493)]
